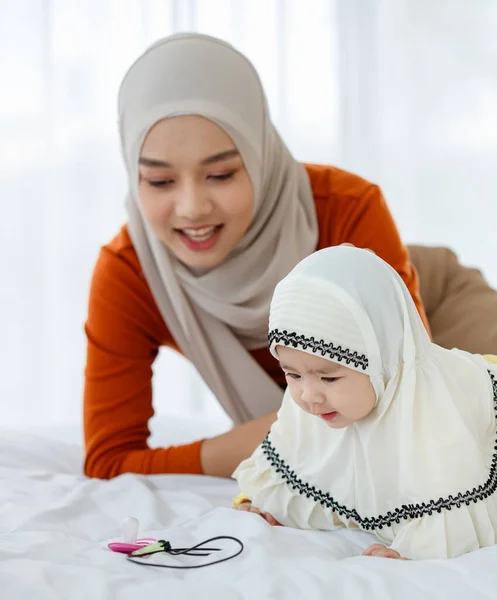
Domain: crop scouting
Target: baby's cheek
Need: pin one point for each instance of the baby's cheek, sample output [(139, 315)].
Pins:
[(364, 407), (351, 407)]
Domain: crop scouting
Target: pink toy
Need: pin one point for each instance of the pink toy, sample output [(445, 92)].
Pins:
[(130, 543)]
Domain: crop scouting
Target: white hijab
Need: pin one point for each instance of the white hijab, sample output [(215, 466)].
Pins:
[(217, 316), (430, 442)]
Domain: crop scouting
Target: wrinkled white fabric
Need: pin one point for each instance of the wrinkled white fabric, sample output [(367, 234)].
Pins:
[(55, 525), (429, 443)]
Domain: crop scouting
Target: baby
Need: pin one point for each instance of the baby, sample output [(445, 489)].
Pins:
[(379, 428)]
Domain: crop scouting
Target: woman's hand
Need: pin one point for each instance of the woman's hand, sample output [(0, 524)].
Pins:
[(247, 506), (383, 552), (221, 455)]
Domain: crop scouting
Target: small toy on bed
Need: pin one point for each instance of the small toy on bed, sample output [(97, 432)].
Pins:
[(163, 546), (130, 542), (137, 549)]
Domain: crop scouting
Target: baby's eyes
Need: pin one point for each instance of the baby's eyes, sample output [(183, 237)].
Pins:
[(294, 376)]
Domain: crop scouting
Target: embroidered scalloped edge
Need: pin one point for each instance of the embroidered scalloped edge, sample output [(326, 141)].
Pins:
[(326, 349), (406, 511)]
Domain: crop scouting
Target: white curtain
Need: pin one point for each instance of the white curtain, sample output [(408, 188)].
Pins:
[(403, 92)]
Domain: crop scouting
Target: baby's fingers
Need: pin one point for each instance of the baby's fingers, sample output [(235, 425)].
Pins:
[(382, 552), (386, 553), (372, 549), (249, 507), (270, 519)]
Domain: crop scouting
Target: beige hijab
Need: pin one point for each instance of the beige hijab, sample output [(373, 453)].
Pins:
[(217, 316)]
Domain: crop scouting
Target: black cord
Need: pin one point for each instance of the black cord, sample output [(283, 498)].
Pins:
[(166, 547)]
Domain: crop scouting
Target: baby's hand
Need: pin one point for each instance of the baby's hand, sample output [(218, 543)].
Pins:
[(247, 506), (383, 552)]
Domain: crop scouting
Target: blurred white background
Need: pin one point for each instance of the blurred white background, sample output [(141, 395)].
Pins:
[(403, 92)]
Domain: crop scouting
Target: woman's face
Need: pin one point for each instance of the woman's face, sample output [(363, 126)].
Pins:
[(194, 190)]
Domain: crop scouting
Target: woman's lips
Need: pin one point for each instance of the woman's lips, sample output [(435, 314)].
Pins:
[(200, 239)]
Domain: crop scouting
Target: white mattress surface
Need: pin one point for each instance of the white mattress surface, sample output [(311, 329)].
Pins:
[(55, 525)]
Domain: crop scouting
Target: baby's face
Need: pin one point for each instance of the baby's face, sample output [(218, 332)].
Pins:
[(327, 389)]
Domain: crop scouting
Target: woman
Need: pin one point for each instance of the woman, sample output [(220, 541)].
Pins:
[(219, 212)]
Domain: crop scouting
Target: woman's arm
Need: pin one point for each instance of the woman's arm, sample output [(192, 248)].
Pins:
[(221, 455), (124, 332)]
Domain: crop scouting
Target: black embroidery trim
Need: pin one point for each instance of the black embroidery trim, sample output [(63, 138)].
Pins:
[(406, 511), (334, 352)]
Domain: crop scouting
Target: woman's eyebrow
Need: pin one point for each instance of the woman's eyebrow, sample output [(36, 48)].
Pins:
[(219, 156), (152, 162)]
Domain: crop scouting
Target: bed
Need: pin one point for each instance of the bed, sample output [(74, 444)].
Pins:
[(55, 525)]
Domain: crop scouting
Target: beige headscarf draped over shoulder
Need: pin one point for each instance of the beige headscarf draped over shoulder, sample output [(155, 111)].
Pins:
[(217, 316)]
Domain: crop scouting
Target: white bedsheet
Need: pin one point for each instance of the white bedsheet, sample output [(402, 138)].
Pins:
[(55, 524)]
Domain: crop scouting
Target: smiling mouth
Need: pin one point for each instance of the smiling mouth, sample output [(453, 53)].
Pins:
[(199, 234), (200, 239)]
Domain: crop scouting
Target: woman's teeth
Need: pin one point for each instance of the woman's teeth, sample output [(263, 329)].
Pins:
[(200, 235)]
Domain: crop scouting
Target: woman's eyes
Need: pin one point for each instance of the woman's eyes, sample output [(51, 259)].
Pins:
[(160, 183), (223, 177)]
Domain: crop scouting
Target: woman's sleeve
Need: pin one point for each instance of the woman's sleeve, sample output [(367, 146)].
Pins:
[(368, 223), (124, 331)]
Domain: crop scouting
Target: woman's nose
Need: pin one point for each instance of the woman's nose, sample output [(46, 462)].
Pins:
[(192, 203)]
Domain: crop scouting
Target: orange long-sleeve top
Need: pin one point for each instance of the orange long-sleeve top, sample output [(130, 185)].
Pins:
[(125, 329)]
